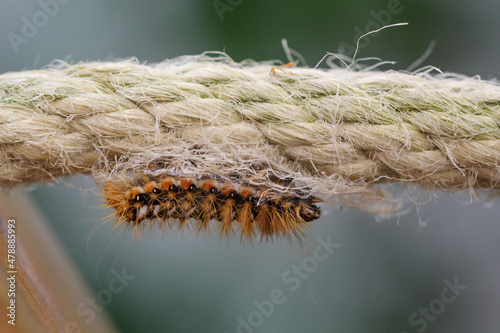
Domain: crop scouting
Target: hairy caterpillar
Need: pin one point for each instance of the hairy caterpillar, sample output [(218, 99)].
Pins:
[(157, 201)]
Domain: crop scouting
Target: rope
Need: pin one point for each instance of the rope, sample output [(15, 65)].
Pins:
[(333, 131)]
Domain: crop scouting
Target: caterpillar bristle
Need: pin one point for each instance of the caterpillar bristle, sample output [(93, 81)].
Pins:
[(246, 219), (152, 203)]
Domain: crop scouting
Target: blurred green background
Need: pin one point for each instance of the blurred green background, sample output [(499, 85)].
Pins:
[(382, 272)]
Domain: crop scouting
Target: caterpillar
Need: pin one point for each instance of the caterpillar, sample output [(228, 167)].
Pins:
[(157, 201)]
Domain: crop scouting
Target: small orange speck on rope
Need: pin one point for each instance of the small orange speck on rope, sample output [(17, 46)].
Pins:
[(274, 68)]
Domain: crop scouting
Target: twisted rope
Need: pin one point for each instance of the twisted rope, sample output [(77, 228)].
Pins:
[(334, 130)]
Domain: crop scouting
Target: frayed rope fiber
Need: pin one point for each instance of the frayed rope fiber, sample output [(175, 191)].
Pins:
[(333, 132)]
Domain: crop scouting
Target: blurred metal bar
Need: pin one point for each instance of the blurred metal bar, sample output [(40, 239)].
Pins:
[(49, 287)]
